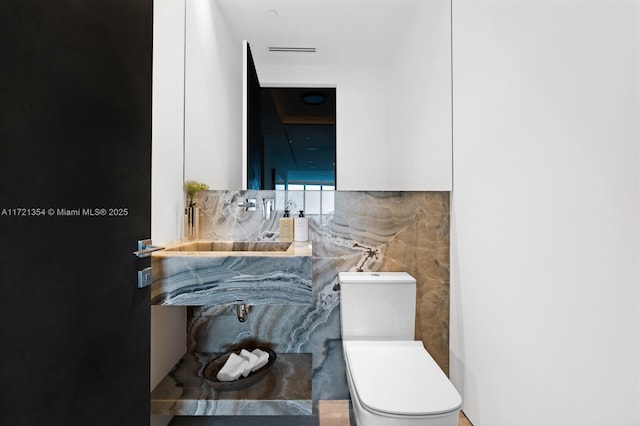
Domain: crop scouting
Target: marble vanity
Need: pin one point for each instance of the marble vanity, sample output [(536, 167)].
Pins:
[(206, 273)]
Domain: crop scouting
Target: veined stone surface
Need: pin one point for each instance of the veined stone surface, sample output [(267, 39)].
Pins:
[(284, 390), (212, 280), (365, 231)]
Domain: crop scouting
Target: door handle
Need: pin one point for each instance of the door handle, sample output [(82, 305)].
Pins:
[(145, 248)]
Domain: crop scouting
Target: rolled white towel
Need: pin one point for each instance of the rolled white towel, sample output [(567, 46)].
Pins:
[(252, 360), (263, 358), (232, 368)]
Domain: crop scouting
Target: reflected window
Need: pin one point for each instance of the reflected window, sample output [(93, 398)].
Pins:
[(313, 199), (297, 139)]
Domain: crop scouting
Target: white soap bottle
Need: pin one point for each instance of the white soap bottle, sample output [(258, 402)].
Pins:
[(301, 228)]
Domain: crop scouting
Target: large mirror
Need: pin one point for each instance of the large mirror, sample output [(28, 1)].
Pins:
[(291, 135), (389, 62)]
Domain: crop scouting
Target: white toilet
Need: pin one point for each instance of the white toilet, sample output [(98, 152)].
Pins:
[(392, 378)]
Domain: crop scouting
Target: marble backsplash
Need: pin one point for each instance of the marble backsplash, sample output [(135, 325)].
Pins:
[(351, 231)]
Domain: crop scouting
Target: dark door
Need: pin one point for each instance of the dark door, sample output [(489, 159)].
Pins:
[(75, 184), (255, 146)]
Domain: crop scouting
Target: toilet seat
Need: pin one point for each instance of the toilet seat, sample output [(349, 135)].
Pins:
[(399, 378)]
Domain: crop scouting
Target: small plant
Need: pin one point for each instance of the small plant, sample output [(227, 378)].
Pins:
[(191, 187)]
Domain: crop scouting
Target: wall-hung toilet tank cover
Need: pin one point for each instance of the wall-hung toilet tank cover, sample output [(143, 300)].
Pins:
[(400, 378)]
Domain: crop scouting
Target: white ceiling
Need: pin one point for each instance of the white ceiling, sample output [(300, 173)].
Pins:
[(344, 32)]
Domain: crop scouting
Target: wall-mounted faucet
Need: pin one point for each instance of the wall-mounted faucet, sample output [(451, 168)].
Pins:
[(249, 204), (267, 207), (242, 310)]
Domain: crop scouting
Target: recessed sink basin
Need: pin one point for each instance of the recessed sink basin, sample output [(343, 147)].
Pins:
[(232, 246)]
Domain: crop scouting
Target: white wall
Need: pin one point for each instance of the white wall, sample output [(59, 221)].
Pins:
[(167, 201), (168, 324), (213, 98), (418, 141), (545, 212)]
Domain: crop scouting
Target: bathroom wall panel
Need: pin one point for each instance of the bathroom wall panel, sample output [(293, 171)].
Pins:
[(366, 231)]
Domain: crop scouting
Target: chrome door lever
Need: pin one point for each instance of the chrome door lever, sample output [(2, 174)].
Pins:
[(145, 248)]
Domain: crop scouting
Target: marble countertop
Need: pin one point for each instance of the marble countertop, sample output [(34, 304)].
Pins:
[(183, 248)]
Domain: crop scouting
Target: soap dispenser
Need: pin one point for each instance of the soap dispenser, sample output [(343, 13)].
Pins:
[(301, 228), (286, 227)]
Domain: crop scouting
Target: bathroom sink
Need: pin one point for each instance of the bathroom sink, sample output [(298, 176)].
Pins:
[(199, 246)]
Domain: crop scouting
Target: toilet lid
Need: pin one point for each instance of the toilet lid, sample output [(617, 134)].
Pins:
[(399, 377)]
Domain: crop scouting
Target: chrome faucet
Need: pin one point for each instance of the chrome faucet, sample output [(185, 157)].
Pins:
[(267, 207)]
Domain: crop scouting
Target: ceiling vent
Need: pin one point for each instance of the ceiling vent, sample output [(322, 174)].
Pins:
[(292, 49)]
